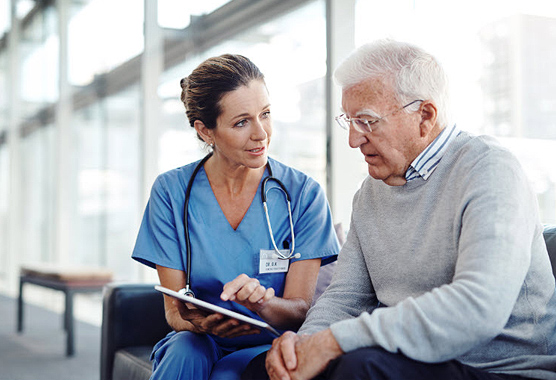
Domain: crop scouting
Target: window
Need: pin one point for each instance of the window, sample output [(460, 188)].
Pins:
[(296, 88), (498, 55)]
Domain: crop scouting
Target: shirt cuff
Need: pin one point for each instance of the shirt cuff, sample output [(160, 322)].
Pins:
[(353, 333)]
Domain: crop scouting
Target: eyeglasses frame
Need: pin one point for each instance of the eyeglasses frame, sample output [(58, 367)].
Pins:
[(344, 122)]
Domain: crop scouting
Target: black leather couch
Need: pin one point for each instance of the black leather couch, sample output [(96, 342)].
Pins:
[(133, 321)]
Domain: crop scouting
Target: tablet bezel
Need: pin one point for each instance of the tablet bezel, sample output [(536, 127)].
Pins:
[(207, 306)]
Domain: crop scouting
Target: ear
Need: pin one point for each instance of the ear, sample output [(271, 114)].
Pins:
[(429, 114), (204, 132)]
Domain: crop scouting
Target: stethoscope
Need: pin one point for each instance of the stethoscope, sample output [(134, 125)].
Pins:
[(277, 253)]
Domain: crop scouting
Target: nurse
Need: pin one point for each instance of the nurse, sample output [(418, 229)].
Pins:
[(232, 262)]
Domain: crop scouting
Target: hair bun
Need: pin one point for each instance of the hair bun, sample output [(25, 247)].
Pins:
[(183, 83)]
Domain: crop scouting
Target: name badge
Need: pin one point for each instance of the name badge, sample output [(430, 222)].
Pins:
[(270, 264)]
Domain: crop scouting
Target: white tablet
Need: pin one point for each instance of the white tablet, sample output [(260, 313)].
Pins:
[(218, 309)]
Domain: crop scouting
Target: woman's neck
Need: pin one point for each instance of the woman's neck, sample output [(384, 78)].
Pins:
[(233, 179)]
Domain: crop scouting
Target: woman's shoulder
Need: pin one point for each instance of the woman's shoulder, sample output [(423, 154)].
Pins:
[(175, 178), (287, 173), (279, 168), (295, 180)]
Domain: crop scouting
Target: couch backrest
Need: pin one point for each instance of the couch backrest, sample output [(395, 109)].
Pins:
[(550, 239)]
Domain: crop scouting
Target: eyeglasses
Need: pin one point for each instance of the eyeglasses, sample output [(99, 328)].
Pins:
[(363, 125)]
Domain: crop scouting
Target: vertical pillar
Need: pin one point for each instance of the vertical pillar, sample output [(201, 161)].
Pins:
[(152, 65), (15, 226), (65, 230), (343, 171)]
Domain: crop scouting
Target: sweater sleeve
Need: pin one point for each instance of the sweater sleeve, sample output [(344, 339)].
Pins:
[(349, 292), (497, 226)]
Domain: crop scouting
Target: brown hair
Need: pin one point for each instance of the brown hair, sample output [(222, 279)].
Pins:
[(210, 81)]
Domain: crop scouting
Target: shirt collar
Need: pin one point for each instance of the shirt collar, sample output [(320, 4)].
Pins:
[(427, 161)]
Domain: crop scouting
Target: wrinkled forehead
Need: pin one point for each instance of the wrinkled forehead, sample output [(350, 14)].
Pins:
[(368, 97)]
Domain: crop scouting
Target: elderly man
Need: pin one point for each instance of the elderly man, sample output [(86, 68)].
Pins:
[(444, 274)]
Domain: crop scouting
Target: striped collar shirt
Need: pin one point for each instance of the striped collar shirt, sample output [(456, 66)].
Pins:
[(428, 160)]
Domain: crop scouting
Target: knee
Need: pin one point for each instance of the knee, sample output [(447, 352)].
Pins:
[(186, 341), (364, 363), (186, 348)]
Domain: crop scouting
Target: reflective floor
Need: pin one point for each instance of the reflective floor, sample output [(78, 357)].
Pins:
[(38, 353)]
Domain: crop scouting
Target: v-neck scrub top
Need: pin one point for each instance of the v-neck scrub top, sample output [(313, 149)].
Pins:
[(220, 253)]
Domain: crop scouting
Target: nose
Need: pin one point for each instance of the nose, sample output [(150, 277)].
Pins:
[(259, 131), (356, 138)]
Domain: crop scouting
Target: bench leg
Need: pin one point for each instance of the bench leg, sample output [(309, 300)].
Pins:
[(20, 307), (68, 323)]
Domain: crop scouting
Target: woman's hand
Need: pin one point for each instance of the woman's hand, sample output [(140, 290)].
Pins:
[(215, 323), (248, 292)]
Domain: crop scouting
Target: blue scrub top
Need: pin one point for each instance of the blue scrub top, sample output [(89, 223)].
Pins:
[(220, 253)]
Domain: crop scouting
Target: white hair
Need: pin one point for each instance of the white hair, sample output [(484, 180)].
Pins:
[(412, 72)]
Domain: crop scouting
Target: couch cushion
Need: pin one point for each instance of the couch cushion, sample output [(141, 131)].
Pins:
[(132, 363)]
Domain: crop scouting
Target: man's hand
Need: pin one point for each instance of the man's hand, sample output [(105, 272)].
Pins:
[(295, 357), (281, 359)]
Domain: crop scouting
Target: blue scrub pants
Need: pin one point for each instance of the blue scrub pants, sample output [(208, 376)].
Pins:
[(186, 355), (374, 363)]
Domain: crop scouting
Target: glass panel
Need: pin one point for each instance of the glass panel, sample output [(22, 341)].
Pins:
[(5, 19), (95, 49), (177, 13), (122, 179), (38, 184), (4, 201), (108, 176), (39, 63), (23, 7), (497, 60), (4, 104), (296, 90), (91, 187)]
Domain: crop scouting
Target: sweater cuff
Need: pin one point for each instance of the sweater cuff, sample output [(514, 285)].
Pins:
[(352, 334)]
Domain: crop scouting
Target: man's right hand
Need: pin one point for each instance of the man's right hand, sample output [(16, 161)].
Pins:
[(294, 357), (281, 359)]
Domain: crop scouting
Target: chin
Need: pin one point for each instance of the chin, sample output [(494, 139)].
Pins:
[(258, 162)]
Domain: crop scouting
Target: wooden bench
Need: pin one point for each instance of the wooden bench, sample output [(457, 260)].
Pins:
[(69, 280)]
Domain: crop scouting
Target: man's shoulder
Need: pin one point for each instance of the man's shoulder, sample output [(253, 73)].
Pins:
[(475, 148)]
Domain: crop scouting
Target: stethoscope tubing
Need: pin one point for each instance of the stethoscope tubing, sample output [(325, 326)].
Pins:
[(187, 290), (278, 254)]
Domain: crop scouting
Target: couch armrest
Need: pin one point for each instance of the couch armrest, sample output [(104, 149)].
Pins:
[(132, 315), (550, 239)]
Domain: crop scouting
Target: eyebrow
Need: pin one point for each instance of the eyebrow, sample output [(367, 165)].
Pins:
[(245, 114), (367, 112)]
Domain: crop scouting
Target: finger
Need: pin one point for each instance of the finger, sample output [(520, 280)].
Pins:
[(257, 295), (210, 322), (247, 289), (224, 327), (287, 348), (274, 364), (241, 330), (186, 313), (232, 287), (269, 294)]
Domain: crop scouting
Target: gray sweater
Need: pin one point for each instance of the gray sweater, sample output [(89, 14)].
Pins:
[(454, 267)]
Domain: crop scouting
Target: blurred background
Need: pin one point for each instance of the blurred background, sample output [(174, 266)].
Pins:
[(90, 107)]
